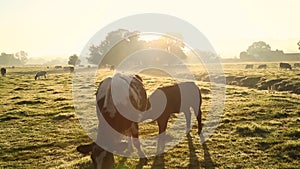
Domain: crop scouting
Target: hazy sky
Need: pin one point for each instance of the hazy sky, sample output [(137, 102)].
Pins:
[(62, 27)]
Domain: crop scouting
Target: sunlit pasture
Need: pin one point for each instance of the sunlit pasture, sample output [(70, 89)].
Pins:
[(43, 121)]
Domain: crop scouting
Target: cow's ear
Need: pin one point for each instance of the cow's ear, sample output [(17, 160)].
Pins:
[(139, 77)]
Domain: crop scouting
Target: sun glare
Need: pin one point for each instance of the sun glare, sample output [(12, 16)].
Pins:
[(149, 37)]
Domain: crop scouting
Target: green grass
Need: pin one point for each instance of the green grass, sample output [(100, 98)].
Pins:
[(258, 129)]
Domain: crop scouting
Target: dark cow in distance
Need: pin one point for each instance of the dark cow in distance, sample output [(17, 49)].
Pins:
[(69, 68), (249, 66), (285, 66), (109, 115), (41, 73), (3, 71), (112, 67), (263, 66), (58, 67), (296, 65)]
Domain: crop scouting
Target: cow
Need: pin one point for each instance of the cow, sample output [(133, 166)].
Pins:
[(285, 66), (112, 67), (69, 68), (296, 65), (179, 98), (101, 158), (41, 73), (263, 66), (58, 67), (108, 113), (3, 71), (249, 66)]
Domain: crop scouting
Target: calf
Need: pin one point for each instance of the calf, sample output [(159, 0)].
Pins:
[(179, 98), (41, 73), (285, 66), (3, 71)]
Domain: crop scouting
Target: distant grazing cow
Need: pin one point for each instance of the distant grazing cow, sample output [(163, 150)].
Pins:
[(58, 67), (108, 115), (249, 66), (179, 98), (112, 67), (41, 73), (285, 66), (263, 66), (296, 65), (3, 71), (69, 68)]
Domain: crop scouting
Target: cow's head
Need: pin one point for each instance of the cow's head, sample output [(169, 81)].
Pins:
[(101, 158)]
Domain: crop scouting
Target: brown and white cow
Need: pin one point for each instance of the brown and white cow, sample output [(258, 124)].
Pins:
[(178, 98), (109, 112)]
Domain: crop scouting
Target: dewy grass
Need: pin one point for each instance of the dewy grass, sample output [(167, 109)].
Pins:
[(258, 129)]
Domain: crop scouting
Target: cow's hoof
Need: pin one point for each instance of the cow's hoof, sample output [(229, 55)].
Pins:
[(143, 161)]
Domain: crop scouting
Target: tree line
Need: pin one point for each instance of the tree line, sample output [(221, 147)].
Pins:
[(261, 51), (19, 58)]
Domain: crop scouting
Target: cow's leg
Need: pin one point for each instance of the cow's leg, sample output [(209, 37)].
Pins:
[(162, 126), (199, 119), (136, 142), (187, 114)]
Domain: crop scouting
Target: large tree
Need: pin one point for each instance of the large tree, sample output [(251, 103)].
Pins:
[(122, 43), (171, 44), (259, 49), (116, 46), (73, 60)]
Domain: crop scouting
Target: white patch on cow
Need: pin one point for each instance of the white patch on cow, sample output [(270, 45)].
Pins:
[(126, 87)]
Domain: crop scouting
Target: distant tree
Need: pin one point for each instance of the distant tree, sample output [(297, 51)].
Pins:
[(116, 46), (245, 56), (74, 60), (298, 45), (19, 58), (122, 43), (171, 44), (258, 49), (22, 57)]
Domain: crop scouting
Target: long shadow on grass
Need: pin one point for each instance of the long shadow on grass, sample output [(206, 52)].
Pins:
[(208, 163), (159, 161), (194, 162)]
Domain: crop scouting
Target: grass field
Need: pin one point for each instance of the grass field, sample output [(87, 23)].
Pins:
[(258, 128)]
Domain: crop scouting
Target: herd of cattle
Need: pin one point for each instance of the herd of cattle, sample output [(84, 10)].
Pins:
[(42, 73), (281, 66)]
